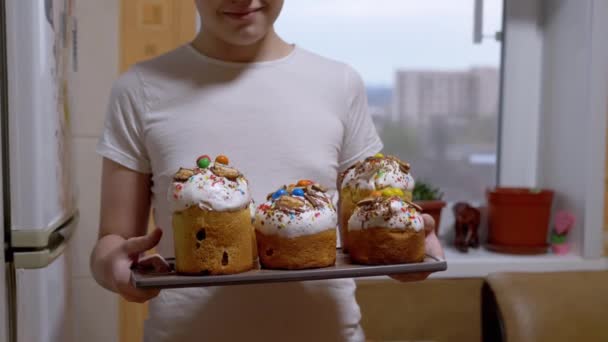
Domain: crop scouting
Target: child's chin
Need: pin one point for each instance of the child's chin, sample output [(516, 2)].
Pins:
[(248, 35)]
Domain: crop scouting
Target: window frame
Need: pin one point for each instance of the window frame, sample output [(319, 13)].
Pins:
[(526, 101)]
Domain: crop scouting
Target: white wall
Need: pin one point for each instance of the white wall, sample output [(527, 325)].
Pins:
[(95, 309), (573, 114)]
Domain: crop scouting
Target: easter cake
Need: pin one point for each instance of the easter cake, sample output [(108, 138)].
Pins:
[(212, 223), (386, 230), (386, 174), (296, 228)]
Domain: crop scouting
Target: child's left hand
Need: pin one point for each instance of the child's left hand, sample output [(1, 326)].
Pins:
[(432, 247)]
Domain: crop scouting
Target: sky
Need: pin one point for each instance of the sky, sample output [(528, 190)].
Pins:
[(377, 37)]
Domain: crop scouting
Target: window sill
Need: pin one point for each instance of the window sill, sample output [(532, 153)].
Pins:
[(478, 263), (481, 262)]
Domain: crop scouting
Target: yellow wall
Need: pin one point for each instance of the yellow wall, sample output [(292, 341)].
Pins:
[(149, 28), (93, 309)]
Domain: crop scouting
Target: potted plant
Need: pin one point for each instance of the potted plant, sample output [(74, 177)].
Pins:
[(429, 198), (518, 219)]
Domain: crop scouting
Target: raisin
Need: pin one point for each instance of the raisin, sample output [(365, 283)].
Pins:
[(225, 258), (201, 234)]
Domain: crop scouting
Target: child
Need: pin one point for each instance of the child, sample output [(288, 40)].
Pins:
[(280, 113)]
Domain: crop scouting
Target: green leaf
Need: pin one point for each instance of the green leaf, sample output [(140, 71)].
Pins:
[(558, 239), (423, 191)]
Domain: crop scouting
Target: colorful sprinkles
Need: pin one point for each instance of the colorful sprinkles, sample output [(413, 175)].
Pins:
[(194, 186), (304, 197), (393, 210)]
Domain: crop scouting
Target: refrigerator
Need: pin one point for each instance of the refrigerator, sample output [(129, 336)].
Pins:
[(37, 202)]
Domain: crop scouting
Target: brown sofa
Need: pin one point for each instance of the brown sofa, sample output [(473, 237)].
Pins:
[(432, 310), (565, 306)]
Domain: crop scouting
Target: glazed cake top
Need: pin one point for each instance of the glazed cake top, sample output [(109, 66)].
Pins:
[(391, 212), (210, 186), (378, 172), (294, 210)]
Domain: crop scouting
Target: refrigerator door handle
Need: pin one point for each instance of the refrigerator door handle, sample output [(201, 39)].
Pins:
[(43, 257), (38, 238)]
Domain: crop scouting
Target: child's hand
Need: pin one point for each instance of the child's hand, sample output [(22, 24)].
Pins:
[(432, 247), (121, 259)]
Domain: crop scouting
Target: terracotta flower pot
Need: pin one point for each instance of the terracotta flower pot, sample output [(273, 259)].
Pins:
[(433, 208), (518, 220)]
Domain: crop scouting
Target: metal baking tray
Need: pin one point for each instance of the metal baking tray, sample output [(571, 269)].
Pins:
[(342, 269)]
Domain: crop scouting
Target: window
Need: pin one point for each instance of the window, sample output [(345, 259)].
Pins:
[(433, 94), (553, 101)]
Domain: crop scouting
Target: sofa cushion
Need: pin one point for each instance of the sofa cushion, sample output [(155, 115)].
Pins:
[(559, 306)]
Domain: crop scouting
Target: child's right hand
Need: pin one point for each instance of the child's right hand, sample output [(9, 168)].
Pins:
[(118, 262)]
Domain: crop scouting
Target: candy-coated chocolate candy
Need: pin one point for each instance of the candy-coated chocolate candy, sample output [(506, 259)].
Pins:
[(298, 192), (203, 161), (398, 192), (222, 159), (379, 155), (304, 182), (278, 194), (392, 192), (387, 192)]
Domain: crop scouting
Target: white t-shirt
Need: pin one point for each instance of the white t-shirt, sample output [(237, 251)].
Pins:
[(299, 117)]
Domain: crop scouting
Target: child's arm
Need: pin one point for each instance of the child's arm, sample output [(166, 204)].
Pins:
[(125, 205)]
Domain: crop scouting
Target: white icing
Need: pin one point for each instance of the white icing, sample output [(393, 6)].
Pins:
[(211, 192), (376, 175), (402, 216), (252, 209), (271, 221)]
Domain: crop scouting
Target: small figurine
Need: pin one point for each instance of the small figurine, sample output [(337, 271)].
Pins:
[(467, 219), (564, 221)]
